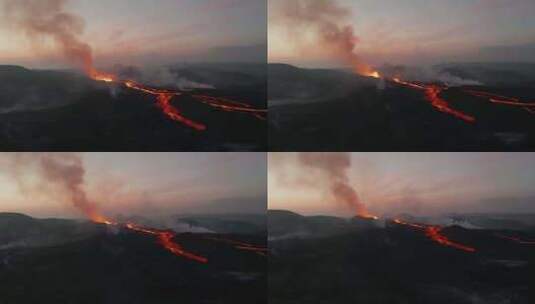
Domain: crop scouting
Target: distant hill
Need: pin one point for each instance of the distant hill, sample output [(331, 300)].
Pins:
[(22, 89), (283, 224), (492, 73), (292, 84), (18, 230), (13, 69)]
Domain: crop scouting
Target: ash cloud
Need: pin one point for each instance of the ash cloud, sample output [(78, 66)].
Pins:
[(39, 19), (335, 166), (326, 20), (53, 175)]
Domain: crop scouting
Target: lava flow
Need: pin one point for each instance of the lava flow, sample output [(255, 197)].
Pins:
[(435, 234), (164, 102), (432, 94), (260, 250), (517, 240), (433, 91), (504, 100), (165, 238), (164, 97)]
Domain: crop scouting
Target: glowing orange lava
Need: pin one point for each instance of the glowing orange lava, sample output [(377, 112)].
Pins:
[(368, 216), (433, 91), (504, 100), (164, 102), (435, 233), (432, 94), (164, 98), (165, 238), (374, 74), (101, 76)]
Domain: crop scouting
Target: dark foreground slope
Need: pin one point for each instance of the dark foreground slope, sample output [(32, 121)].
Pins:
[(397, 264), (111, 266), (58, 111)]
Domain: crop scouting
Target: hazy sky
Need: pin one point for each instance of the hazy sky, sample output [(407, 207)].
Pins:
[(417, 183), (147, 183), (146, 31), (426, 31)]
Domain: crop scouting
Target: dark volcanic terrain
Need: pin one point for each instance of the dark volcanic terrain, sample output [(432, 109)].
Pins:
[(329, 110), (62, 261), (395, 263), (63, 111)]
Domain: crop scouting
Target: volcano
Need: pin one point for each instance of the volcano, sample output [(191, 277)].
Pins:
[(335, 110), (68, 111), (81, 262), (399, 261)]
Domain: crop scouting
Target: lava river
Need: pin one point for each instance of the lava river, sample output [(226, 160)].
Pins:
[(164, 98), (260, 250), (432, 94), (164, 237), (516, 239), (435, 233)]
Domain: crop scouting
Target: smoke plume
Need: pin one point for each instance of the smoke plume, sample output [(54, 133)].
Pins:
[(55, 175), (325, 19), (48, 19), (334, 167)]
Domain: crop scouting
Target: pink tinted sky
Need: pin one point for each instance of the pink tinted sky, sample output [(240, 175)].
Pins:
[(418, 183), (424, 32), (149, 183), (146, 31)]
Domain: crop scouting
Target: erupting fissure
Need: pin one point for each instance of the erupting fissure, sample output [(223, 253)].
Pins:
[(435, 233)]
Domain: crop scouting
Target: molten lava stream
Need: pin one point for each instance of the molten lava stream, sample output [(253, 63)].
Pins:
[(165, 238), (432, 94), (504, 100), (260, 250), (516, 239), (230, 105), (164, 102), (434, 233)]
